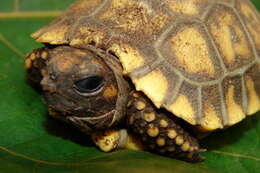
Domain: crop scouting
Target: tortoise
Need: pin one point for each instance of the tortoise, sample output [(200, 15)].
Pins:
[(146, 74)]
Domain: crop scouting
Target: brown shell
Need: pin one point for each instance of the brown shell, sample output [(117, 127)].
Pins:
[(199, 59)]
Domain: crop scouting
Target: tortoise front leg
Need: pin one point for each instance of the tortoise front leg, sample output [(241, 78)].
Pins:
[(159, 133), (113, 139), (35, 63)]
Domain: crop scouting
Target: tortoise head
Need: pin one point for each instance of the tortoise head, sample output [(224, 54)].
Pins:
[(81, 86)]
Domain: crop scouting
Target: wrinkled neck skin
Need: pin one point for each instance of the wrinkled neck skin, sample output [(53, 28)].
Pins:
[(123, 86)]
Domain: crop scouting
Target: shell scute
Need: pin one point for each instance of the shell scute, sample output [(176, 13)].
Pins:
[(234, 100), (186, 104), (180, 49), (134, 17), (253, 88), (191, 8), (212, 114), (251, 19), (230, 37)]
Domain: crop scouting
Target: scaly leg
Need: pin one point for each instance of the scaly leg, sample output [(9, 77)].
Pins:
[(35, 63), (112, 139), (159, 133)]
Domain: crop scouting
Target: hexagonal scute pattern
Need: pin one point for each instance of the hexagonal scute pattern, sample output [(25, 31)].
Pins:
[(199, 59)]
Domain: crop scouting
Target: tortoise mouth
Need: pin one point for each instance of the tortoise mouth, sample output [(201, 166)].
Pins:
[(99, 122)]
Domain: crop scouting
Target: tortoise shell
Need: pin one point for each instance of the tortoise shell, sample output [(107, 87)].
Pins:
[(199, 59)]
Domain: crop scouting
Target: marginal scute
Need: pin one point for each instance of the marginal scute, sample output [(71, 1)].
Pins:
[(253, 98), (129, 57), (56, 32), (87, 35), (235, 112), (212, 114), (147, 85), (211, 121), (54, 36), (251, 19), (183, 108), (188, 49), (230, 37)]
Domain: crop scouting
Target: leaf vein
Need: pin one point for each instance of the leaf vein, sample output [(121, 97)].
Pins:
[(236, 155), (8, 44)]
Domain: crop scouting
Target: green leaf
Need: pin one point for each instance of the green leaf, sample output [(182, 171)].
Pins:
[(30, 141)]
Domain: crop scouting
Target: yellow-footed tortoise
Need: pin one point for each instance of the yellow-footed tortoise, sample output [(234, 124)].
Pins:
[(119, 67)]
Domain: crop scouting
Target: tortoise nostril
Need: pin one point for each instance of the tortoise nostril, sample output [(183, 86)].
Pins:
[(47, 84), (53, 76)]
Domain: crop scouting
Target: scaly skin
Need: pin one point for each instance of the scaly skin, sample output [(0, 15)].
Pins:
[(147, 128), (158, 132)]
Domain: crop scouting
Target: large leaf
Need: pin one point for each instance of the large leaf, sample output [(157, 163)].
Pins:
[(30, 141)]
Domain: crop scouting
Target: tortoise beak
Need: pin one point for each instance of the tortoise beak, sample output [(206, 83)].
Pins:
[(93, 123), (86, 123)]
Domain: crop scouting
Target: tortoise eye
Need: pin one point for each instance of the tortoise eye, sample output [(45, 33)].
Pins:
[(89, 85)]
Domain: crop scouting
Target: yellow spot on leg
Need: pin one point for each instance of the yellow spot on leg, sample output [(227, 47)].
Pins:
[(185, 146), (136, 95), (160, 141), (44, 55), (28, 63), (33, 56), (149, 117), (140, 105), (163, 123), (179, 140), (171, 133), (152, 131)]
